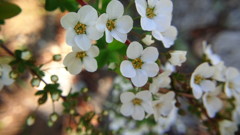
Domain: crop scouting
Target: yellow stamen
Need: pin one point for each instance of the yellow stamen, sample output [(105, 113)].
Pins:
[(110, 25), (81, 55), (80, 28), (231, 85), (137, 63), (198, 79), (150, 12), (137, 101)]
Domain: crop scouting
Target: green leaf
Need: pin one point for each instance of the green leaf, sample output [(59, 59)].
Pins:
[(43, 99), (40, 92), (70, 5), (8, 10), (51, 5), (2, 22)]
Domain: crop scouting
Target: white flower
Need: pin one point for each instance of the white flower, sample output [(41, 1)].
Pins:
[(142, 64), (4, 75), (168, 67), (81, 28), (227, 127), (161, 81), (167, 37), (78, 59), (207, 50), (136, 105), (148, 40), (155, 14), (114, 23), (199, 82), (164, 105), (219, 72), (232, 84), (236, 111), (211, 102), (26, 55), (177, 57)]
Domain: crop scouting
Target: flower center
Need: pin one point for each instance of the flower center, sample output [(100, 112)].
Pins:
[(110, 25), (150, 12), (231, 85), (80, 28), (137, 63), (137, 101), (198, 79), (81, 55)]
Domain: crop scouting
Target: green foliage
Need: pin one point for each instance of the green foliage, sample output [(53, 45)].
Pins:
[(8, 10), (113, 53), (70, 5)]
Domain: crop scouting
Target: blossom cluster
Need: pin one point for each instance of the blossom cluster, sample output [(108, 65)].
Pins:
[(213, 82)]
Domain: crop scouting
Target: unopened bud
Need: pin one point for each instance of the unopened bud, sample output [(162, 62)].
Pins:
[(55, 96), (35, 82), (112, 66), (26, 55), (85, 90), (30, 120), (54, 117), (50, 123), (57, 57), (54, 78)]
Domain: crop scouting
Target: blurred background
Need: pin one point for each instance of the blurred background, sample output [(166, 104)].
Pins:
[(216, 21)]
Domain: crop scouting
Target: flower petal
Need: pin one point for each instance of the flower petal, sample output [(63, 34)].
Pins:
[(109, 37), (163, 22), (197, 91), (124, 24), (127, 109), (75, 66), (231, 73), (164, 7), (141, 6), (144, 95), (127, 97), (90, 64), (127, 69), (151, 69), (147, 24), (119, 36), (69, 58), (134, 50), (212, 104), (87, 15), (70, 37), (208, 85), (93, 51), (93, 33), (114, 9), (138, 113), (101, 22), (140, 79), (150, 54), (83, 42), (69, 20)]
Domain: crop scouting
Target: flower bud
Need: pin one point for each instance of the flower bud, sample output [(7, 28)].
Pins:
[(30, 120), (112, 66), (26, 55), (57, 57), (54, 117), (55, 96), (50, 123), (54, 78), (35, 82), (177, 57), (148, 40)]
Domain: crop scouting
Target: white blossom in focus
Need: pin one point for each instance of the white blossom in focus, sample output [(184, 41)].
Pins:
[(78, 59), (81, 28), (232, 84), (136, 105), (199, 80), (4, 75), (227, 127), (212, 102), (161, 81), (147, 40), (177, 57), (155, 14), (114, 23), (207, 50), (167, 37), (164, 105), (142, 64)]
